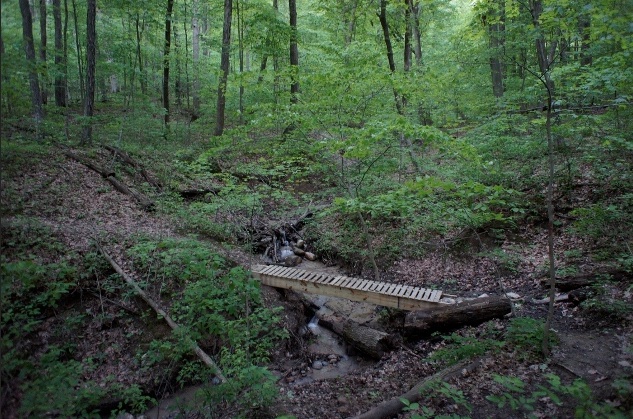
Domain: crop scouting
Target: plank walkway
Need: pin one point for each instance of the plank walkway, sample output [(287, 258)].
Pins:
[(404, 297)]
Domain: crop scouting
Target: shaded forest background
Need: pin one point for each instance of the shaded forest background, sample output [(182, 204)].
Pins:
[(407, 127)]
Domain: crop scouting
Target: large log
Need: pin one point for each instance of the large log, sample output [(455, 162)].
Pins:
[(367, 340), (450, 317), (584, 280)]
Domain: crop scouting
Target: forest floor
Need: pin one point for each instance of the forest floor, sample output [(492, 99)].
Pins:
[(79, 207)]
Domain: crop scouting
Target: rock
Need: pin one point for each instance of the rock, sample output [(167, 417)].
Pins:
[(298, 251), (293, 260), (317, 365), (513, 295), (309, 256), (301, 244), (332, 358)]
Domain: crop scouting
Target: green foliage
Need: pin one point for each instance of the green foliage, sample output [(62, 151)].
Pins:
[(437, 390), (526, 334), (464, 347), (219, 304), (519, 398)]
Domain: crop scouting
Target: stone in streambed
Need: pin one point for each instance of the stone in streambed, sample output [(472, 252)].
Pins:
[(309, 256)]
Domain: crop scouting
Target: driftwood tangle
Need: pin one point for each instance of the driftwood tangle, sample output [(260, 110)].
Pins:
[(194, 346), (448, 317)]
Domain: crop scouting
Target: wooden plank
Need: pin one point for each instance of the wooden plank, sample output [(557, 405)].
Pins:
[(367, 285), (356, 284), (323, 279), (343, 284), (337, 280)]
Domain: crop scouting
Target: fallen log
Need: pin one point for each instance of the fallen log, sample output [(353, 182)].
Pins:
[(450, 317), (392, 407), (142, 200), (124, 157), (367, 340), (89, 164), (145, 203), (579, 281), (206, 359)]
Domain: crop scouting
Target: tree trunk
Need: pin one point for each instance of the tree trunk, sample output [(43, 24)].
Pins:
[(29, 48), (372, 342), (584, 27), (392, 64), (60, 62), (80, 67), (43, 42), (170, 7), (178, 83), (91, 55), (414, 13), (240, 47), (545, 58), (450, 317), (294, 52), (224, 68), (139, 56), (195, 46), (496, 33)]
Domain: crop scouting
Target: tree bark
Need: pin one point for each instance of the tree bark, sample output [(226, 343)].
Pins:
[(29, 48), (206, 359), (43, 42), (167, 46), (195, 46), (224, 68), (60, 61), (392, 64), (80, 67), (367, 340), (450, 317), (496, 34), (294, 52), (139, 56), (91, 55)]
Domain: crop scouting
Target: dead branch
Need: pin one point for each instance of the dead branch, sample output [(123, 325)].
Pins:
[(393, 406), (201, 354)]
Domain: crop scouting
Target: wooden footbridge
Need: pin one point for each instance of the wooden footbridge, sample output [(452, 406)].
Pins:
[(385, 294)]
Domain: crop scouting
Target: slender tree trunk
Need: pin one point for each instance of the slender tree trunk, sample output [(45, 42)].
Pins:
[(80, 70), (178, 84), (29, 49), (294, 52), (195, 46), (392, 64), (43, 42), (224, 68), (414, 12), (545, 58), (65, 73), (139, 56), (496, 33), (262, 66), (584, 27), (170, 7), (186, 55), (550, 223), (60, 63), (91, 56), (5, 77), (240, 42)]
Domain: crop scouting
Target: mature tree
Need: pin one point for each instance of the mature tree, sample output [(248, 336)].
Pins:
[(224, 68), (91, 56), (60, 58), (170, 8), (496, 30), (43, 42), (80, 67), (294, 52), (29, 48), (195, 46)]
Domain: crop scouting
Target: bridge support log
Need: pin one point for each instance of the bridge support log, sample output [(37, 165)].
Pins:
[(367, 340), (451, 317)]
